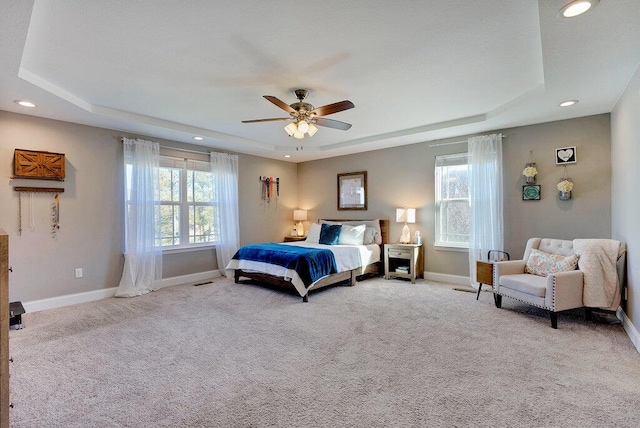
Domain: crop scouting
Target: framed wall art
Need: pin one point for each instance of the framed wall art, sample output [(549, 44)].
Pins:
[(531, 192), (38, 164), (566, 155), (352, 191)]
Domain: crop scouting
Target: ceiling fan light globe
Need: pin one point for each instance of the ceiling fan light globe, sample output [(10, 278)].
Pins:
[(291, 129), (299, 135), (303, 126), (312, 130)]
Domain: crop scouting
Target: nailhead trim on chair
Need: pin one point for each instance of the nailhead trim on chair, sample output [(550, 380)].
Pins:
[(520, 300), (553, 296)]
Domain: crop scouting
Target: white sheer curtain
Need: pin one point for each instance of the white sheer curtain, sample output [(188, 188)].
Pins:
[(225, 181), (485, 196), (143, 259)]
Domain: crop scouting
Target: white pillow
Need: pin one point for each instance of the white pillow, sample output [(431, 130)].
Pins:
[(313, 235), (351, 235)]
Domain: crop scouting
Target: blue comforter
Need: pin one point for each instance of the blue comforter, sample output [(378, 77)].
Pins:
[(311, 264)]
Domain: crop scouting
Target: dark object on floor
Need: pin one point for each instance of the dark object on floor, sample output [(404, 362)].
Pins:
[(468, 290), (15, 315), (202, 283), (601, 316)]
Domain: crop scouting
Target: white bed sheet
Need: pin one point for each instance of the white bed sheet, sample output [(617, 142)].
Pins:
[(347, 257)]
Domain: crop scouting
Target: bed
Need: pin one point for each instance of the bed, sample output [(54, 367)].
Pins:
[(297, 265)]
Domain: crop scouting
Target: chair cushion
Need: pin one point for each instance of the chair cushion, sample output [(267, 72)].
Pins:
[(529, 284), (544, 264)]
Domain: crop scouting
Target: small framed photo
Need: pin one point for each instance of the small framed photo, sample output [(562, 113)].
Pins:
[(531, 192), (352, 191), (566, 155)]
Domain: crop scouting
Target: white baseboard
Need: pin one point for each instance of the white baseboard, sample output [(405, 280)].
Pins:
[(90, 296), (631, 330), (443, 277)]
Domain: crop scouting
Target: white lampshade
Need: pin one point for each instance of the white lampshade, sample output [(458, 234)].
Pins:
[(300, 215), (312, 130), (405, 215), (303, 126), (299, 135), (291, 129)]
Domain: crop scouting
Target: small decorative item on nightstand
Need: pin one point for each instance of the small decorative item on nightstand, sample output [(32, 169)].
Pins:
[(294, 238)]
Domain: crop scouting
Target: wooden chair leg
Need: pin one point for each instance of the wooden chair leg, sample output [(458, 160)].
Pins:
[(498, 300), (554, 319), (305, 298)]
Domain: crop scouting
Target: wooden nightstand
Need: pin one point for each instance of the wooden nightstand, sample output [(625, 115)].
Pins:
[(484, 275), (294, 238), (411, 255)]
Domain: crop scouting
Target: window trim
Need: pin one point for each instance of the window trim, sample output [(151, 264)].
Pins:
[(441, 161)]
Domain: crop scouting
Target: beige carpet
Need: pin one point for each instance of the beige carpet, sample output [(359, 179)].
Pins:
[(380, 354)]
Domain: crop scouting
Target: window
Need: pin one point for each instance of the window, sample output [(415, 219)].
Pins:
[(187, 203), (453, 213)]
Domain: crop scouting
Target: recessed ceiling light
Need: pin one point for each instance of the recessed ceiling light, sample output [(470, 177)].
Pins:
[(287, 156), (24, 103), (577, 7), (568, 103), (198, 138)]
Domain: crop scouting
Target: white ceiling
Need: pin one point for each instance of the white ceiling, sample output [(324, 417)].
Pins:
[(415, 70)]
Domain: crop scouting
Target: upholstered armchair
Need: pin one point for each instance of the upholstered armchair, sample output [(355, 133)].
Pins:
[(554, 292)]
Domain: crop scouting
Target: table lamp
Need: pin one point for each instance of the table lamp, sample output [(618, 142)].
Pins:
[(300, 216), (405, 215)]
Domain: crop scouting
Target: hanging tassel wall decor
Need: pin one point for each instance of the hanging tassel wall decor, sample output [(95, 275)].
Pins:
[(270, 188), (19, 213), (55, 214), (55, 207)]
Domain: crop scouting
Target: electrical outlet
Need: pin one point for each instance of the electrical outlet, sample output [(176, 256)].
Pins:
[(78, 272)]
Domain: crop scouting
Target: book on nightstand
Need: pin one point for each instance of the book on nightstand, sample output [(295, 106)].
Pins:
[(402, 269)]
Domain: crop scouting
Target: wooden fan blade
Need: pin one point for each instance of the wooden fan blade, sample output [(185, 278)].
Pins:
[(284, 106), (266, 120), (333, 108), (330, 123)]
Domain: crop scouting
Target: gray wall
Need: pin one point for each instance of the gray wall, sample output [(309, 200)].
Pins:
[(403, 176), (625, 149), (588, 213), (91, 208), (91, 214)]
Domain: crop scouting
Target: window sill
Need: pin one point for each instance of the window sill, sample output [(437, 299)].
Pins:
[(176, 250), (449, 248)]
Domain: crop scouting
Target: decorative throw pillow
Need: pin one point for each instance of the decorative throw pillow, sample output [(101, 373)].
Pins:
[(313, 235), (545, 264), (351, 235), (330, 233)]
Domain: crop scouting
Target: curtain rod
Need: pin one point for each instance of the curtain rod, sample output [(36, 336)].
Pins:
[(457, 142), (178, 149), (186, 150)]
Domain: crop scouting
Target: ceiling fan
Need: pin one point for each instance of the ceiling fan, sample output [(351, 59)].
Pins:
[(304, 116)]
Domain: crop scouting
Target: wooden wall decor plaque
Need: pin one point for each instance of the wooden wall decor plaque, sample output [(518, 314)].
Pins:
[(42, 165)]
